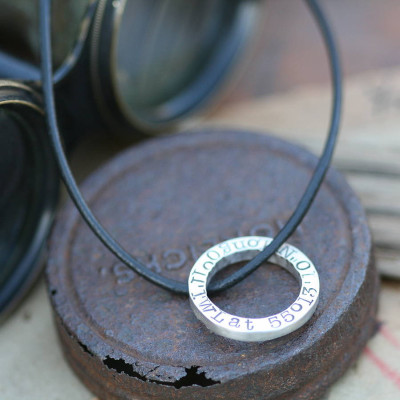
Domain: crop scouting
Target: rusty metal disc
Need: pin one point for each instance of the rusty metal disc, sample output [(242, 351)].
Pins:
[(167, 201)]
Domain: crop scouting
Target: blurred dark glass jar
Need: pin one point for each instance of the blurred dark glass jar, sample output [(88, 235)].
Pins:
[(134, 65), (28, 191)]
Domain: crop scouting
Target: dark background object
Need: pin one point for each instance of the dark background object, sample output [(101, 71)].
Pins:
[(28, 191), (169, 200), (160, 61), (138, 66)]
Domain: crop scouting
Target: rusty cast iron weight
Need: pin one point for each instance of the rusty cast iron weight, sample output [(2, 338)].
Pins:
[(125, 338), (253, 329)]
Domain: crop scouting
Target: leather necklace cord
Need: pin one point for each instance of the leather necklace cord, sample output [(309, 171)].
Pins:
[(111, 243)]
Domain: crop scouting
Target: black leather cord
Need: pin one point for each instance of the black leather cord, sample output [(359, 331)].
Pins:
[(322, 166), (298, 215)]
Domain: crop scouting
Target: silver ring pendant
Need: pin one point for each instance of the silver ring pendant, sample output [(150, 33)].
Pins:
[(253, 329)]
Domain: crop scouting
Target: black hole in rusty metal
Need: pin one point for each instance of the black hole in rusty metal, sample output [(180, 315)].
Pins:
[(85, 348), (192, 377)]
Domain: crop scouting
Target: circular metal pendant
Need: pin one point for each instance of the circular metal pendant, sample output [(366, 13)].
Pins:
[(253, 329)]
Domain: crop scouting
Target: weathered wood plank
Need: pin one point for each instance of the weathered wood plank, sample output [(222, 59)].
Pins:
[(368, 152)]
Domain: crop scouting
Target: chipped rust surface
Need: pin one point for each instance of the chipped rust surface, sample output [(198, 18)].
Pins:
[(168, 200)]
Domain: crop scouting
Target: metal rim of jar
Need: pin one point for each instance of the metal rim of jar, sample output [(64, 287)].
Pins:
[(104, 36), (23, 103)]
